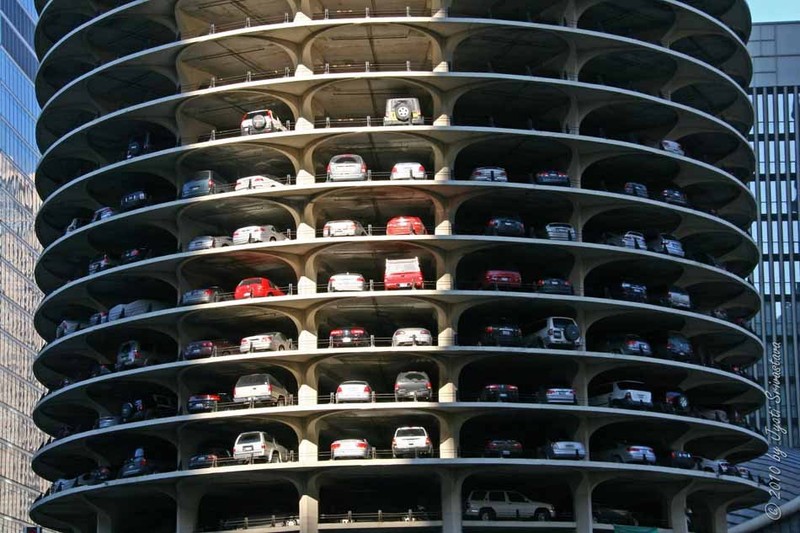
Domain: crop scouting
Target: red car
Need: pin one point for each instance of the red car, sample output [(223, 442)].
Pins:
[(501, 279), (403, 274), (403, 225), (256, 288)]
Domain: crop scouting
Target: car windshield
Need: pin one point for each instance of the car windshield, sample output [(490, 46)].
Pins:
[(413, 376), (410, 432), (635, 385), (247, 438), (252, 380)]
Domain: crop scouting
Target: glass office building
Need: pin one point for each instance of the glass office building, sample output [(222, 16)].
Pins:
[(775, 49), (19, 342)]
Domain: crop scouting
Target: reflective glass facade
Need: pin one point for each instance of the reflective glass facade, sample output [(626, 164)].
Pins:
[(19, 342), (775, 49)]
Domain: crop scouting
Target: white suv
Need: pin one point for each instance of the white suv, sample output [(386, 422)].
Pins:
[(408, 171), (628, 394), (257, 234), (509, 504), (343, 228), (258, 445), (261, 121), (556, 332), (411, 441)]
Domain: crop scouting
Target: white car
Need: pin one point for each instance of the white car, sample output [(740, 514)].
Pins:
[(260, 121), (262, 342), (347, 167), (258, 445), (136, 307), (351, 449), (411, 441), (256, 182), (672, 147), (408, 171), (343, 228), (205, 242), (506, 504), (627, 394), (347, 282), (354, 391), (412, 337), (489, 174), (257, 234)]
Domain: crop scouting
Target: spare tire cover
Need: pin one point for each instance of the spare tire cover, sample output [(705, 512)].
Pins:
[(572, 332), (259, 121)]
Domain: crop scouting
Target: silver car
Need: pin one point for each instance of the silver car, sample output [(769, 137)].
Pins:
[(202, 296), (347, 167), (343, 228), (206, 242), (489, 174), (354, 391), (258, 445), (260, 121), (257, 234), (256, 182), (624, 452), (272, 341), (412, 337), (564, 449), (347, 282), (351, 449)]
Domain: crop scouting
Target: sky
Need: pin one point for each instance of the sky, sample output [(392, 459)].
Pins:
[(774, 10)]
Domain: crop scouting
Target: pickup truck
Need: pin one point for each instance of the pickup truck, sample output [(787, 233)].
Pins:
[(402, 274)]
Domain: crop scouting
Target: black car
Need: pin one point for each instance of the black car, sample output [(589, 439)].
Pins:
[(672, 345), (627, 290), (674, 196), (672, 401), (502, 448), (501, 332), (557, 231), (139, 144), (134, 254), (499, 393), (100, 317), (207, 402), (101, 474), (628, 344), (207, 348), (505, 225), (148, 407), (607, 515), (134, 200), (214, 456), (554, 286), (102, 262), (672, 296), (552, 177), (677, 459), (142, 465), (633, 188)]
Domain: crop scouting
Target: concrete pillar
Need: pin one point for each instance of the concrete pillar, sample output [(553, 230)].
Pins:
[(581, 382), (307, 340), (188, 501), (677, 512), (719, 518), (304, 177), (104, 522), (451, 502), (582, 504), (308, 448), (307, 390), (450, 437), (306, 285), (309, 512)]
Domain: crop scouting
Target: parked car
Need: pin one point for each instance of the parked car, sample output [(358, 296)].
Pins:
[(249, 234), (627, 344), (210, 457), (402, 112), (139, 144), (343, 228), (412, 385), (100, 317), (405, 225), (489, 505), (403, 274), (206, 242), (259, 446), (408, 171), (629, 239), (500, 332), (624, 452), (672, 345), (677, 459), (411, 441), (131, 255), (346, 167), (557, 395), (499, 392), (564, 449), (202, 183), (107, 421), (557, 231), (633, 188), (202, 296), (489, 174), (555, 332), (260, 121), (720, 466), (674, 196), (66, 327), (207, 402), (136, 307), (665, 243), (135, 354), (102, 262), (673, 147), (206, 348), (256, 288), (501, 279), (627, 290), (95, 476), (671, 296), (103, 213), (135, 200), (412, 337), (354, 391), (75, 224), (347, 282), (148, 407), (674, 401), (627, 394), (141, 465), (608, 515), (505, 225), (502, 448), (352, 336), (712, 413), (552, 177), (351, 449), (272, 341), (260, 388), (554, 286), (256, 182), (63, 484)]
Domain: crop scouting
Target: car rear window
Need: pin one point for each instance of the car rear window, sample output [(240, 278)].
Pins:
[(635, 385), (413, 376), (247, 438), (562, 322), (251, 281), (410, 432), (253, 379), (346, 159), (402, 265)]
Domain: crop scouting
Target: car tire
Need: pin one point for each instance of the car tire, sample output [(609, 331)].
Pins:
[(276, 458), (541, 515), (486, 515), (281, 348), (616, 459), (402, 112), (281, 402), (272, 239)]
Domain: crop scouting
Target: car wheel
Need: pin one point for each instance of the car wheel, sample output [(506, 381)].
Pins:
[(281, 402), (276, 458), (272, 239), (214, 352), (616, 459), (486, 515), (541, 515), (281, 348)]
